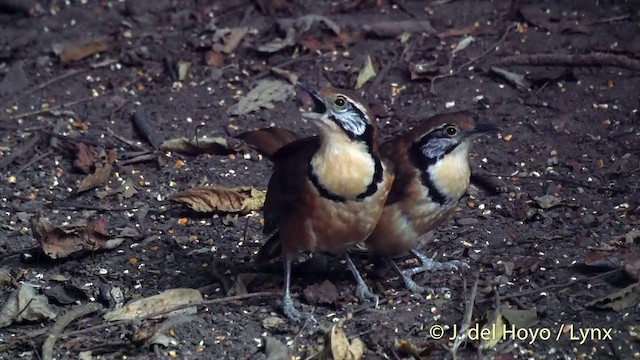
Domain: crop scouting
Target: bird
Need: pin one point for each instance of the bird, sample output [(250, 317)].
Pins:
[(431, 173), (326, 192)]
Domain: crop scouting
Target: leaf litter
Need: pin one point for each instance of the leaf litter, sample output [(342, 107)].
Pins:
[(242, 199), (59, 242), (262, 96), (25, 305), (156, 304)]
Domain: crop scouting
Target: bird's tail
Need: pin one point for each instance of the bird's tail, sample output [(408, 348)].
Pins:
[(270, 250)]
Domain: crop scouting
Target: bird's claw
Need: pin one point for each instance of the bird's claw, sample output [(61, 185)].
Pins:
[(430, 265), (294, 314), (364, 294)]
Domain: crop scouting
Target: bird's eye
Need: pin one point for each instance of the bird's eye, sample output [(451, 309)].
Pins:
[(340, 102), (451, 131)]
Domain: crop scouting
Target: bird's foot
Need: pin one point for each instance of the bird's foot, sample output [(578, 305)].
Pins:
[(294, 314), (431, 265), (364, 294)]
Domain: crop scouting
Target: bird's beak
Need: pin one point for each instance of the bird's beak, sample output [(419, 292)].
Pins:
[(319, 107), (482, 129)]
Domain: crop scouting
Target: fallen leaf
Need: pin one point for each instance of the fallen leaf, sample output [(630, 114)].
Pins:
[(548, 201), (366, 73), (204, 145), (65, 294), (521, 319), (183, 69), (409, 348), (324, 293), (341, 348), (275, 350), (495, 330), (214, 58), (463, 44), (271, 322), (57, 242), (165, 301), (294, 28), (100, 159), (241, 199), (97, 179), (519, 81), (25, 305), (619, 300), (79, 50), (86, 157), (397, 28), (227, 40), (268, 140), (263, 95)]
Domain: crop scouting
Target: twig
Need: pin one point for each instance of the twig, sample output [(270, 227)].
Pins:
[(554, 286), (466, 320), (472, 60), (59, 107), (70, 73), (7, 160), (595, 59), (64, 321), (105, 324), (561, 180), (33, 161)]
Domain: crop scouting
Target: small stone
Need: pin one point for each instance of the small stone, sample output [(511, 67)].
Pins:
[(467, 221)]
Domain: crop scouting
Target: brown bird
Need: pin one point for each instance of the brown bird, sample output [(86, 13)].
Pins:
[(432, 173), (327, 192)]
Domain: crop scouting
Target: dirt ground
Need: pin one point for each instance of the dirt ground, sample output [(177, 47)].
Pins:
[(550, 226)]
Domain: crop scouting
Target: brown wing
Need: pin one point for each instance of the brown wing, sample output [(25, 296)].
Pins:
[(395, 153), (291, 165), (268, 140)]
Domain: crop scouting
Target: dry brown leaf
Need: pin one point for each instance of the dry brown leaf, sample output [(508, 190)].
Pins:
[(341, 348), (227, 40), (80, 50), (324, 293), (57, 242), (25, 305), (98, 178), (165, 301), (206, 145), (242, 199), (263, 95), (88, 157)]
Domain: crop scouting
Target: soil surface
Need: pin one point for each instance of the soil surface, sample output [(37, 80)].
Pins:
[(550, 226)]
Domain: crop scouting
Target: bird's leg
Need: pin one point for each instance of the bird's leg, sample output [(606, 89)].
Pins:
[(362, 290), (412, 285), (429, 265), (288, 308)]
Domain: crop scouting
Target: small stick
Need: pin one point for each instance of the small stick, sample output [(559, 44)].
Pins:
[(7, 160), (59, 107), (473, 60), (466, 320), (33, 161), (594, 59), (555, 286), (64, 321)]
